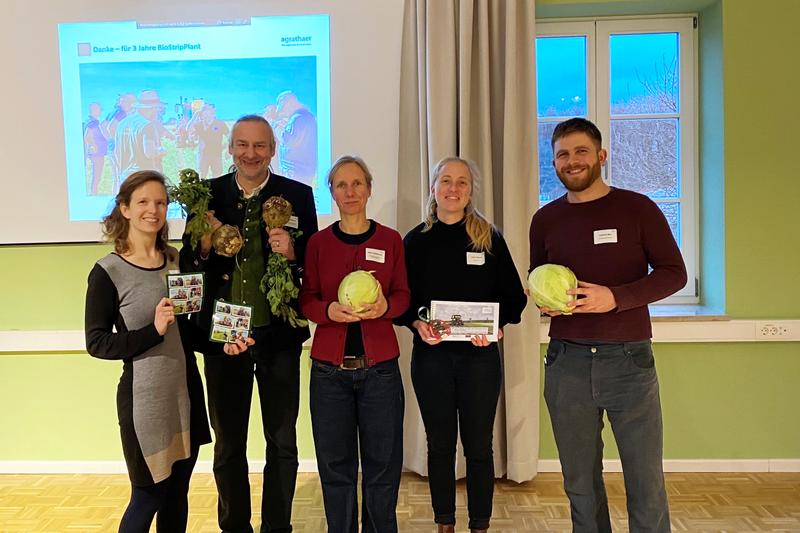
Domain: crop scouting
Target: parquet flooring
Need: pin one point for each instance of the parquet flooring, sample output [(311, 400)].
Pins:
[(698, 502)]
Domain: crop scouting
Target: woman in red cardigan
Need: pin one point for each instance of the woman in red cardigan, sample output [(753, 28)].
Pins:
[(356, 391)]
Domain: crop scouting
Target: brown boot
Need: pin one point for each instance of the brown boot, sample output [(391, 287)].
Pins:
[(447, 528)]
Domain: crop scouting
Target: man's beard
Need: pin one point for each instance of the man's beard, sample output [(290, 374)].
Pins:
[(579, 184)]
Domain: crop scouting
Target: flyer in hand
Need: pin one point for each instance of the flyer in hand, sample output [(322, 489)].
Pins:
[(186, 292), (467, 319), (230, 322)]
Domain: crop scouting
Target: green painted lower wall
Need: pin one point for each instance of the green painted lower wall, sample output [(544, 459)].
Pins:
[(720, 401), (62, 407)]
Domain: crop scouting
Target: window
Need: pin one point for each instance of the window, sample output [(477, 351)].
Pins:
[(635, 79)]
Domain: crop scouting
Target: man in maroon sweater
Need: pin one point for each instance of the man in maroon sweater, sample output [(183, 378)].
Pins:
[(600, 357)]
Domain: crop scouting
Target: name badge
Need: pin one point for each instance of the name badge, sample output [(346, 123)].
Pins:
[(605, 236), (174, 271), (378, 256), (476, 258), (293, 222)]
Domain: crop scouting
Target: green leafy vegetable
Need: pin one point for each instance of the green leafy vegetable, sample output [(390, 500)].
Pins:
[(278, 283), (549, 284), (193, 194), (357, 289)]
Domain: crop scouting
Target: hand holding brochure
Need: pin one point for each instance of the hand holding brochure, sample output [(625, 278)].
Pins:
[(186, 292), (467, 319), (230, 322)]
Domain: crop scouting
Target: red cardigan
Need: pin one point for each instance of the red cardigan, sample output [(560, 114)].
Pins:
[(328, 260)]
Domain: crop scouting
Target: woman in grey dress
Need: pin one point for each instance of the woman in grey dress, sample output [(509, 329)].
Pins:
[(160, 404)]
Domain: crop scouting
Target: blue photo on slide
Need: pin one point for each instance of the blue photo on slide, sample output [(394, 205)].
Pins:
[(169, 114)]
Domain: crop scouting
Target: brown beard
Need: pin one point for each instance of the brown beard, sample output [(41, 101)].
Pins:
[(571, 185)]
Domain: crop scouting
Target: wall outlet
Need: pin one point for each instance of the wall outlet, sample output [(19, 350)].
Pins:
[(777, 330)]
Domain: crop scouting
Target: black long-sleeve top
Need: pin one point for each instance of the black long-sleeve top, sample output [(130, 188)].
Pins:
[(436, 263)]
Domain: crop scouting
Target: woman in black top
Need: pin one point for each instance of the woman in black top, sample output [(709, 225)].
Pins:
[(457, 255)]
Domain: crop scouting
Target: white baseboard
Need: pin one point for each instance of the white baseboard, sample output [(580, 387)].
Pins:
[(784, 465), (310, 465), (697, 465)]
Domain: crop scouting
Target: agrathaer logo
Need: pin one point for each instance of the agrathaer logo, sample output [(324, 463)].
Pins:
[(296, 40)]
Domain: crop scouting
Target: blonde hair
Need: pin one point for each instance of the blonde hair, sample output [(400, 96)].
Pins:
[(479, 229), (115, 225)]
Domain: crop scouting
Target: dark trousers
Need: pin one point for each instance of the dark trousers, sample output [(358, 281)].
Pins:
[(356, 411), (230, 389), (581, 382), (168, 499), (457, 391)]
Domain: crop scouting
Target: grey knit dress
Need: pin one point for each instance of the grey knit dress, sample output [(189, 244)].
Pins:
[(160, 385)]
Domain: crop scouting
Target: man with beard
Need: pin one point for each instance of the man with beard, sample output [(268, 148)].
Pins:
[(600, 357), (273, 361)]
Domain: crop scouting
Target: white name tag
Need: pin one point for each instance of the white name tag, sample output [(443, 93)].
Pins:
[(379, 256), (476, 258), (174, 271), (293, 222), (605, 236)]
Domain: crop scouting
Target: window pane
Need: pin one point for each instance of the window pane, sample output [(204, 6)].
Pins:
[(644, 156), (550, 186), (644, 73), (672, 210), (561, 76)]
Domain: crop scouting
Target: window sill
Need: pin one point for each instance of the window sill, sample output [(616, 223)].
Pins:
[(680, 313), (686, 313)]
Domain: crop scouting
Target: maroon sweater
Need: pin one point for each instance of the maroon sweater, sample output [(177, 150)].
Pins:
[(564, 234), (328, 260)]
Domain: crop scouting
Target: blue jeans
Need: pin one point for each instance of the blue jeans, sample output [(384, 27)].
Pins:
[(356, 411), (583, 381)]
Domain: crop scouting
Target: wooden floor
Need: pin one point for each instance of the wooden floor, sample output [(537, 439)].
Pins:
[(698, 502)]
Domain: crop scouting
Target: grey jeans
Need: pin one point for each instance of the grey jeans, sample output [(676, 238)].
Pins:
[(581, 382)]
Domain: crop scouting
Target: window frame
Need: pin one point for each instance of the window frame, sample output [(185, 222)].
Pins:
[(597, 31)]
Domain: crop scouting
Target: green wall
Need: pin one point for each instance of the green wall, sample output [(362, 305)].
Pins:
[(762, 191), (720, 401), (61, 407), (723, 400)]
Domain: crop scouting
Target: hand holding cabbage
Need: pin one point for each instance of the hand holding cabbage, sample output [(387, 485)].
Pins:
[(360, 298), (555, 290), (548, 286)]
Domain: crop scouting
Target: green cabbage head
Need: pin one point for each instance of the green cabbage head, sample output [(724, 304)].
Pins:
[(548, 285), (357, 289)]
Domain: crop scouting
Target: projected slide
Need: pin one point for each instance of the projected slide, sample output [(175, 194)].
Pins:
[(164, 95)]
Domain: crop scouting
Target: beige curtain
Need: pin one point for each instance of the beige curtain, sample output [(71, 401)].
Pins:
[(468, 89)]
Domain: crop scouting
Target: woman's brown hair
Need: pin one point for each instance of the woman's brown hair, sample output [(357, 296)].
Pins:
[(115, 225)]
